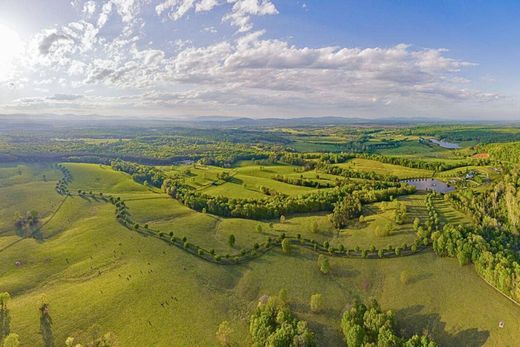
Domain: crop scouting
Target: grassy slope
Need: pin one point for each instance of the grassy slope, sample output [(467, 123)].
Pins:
[(22, 189), (95, 271), (367, 165)]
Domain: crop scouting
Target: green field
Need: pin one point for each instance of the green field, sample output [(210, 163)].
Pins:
[(367, 165), (95, 272)]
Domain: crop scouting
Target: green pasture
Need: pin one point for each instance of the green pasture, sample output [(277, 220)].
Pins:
[(96, 273), (367, 165)]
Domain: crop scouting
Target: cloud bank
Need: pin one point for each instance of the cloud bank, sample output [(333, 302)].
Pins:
[(109, 61)]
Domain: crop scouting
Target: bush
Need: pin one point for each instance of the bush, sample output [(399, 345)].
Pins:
[(316, 303), (323, 264)]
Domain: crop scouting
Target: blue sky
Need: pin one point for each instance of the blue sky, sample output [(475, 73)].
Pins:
[(261, 58)]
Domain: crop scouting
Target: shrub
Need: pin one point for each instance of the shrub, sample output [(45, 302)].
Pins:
[(323, 264), (316, 302)]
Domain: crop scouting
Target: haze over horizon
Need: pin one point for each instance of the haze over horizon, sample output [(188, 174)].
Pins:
[(261, 58)]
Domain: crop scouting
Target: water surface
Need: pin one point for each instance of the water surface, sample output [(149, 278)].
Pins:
[(430, 184), (445, 144)]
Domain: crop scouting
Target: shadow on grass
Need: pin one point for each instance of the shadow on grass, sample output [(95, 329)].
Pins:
[(410, 321), (236, 180)]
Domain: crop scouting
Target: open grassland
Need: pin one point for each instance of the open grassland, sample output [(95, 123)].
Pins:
[(96, 272), (367, 165), (24, 188)]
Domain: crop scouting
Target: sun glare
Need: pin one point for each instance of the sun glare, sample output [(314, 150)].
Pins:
[(10, 47)]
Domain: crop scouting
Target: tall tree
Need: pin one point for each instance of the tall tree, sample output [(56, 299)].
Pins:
[(5, 318), (46, 324)]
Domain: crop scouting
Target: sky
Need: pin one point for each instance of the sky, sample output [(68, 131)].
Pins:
[(261, 58)]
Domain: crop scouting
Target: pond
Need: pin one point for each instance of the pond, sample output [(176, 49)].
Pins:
[(430, 184), (445, 144)]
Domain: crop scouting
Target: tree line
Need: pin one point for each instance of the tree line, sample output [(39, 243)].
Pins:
[(494, 252)]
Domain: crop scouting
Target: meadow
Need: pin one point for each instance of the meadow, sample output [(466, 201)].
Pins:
[(99, 276)]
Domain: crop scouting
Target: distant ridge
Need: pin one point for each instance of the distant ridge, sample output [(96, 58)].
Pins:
[(314, 121), (93, 120)]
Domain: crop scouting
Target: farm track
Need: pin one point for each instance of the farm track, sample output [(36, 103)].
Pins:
[(37, 229)]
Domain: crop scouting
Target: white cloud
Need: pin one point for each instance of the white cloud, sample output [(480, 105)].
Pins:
[(247, 73), (127, 9), (105, 13), (206, 5), (51, 40), (64, 97), (89, 8), (239, 15), (242, 11)]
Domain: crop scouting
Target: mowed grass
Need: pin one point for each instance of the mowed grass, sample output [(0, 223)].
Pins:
[(246, 182), (101, 178), (367, 165), (96, 272)]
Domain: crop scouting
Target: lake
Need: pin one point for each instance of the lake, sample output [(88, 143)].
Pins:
[(445, 144), (430, 184)]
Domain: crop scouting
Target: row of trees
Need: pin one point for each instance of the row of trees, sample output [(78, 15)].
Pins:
[(278, 205), (367, 175), (421, 164), (305, 182), (62, 184), (140, 173)]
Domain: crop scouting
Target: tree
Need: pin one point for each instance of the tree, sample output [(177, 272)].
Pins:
[(348, 208), (69, 342), (323, 263), (231, 240), (286, 246), (316, 302), (224, 332), (5, 318), (400, 213), (12, 340), (273, 324), (354, 336), (46, 323), (416, 223)]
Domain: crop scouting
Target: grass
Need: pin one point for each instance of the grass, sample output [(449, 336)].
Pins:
[(96, 272), (246, 182), (367, 165), (23, 188)]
